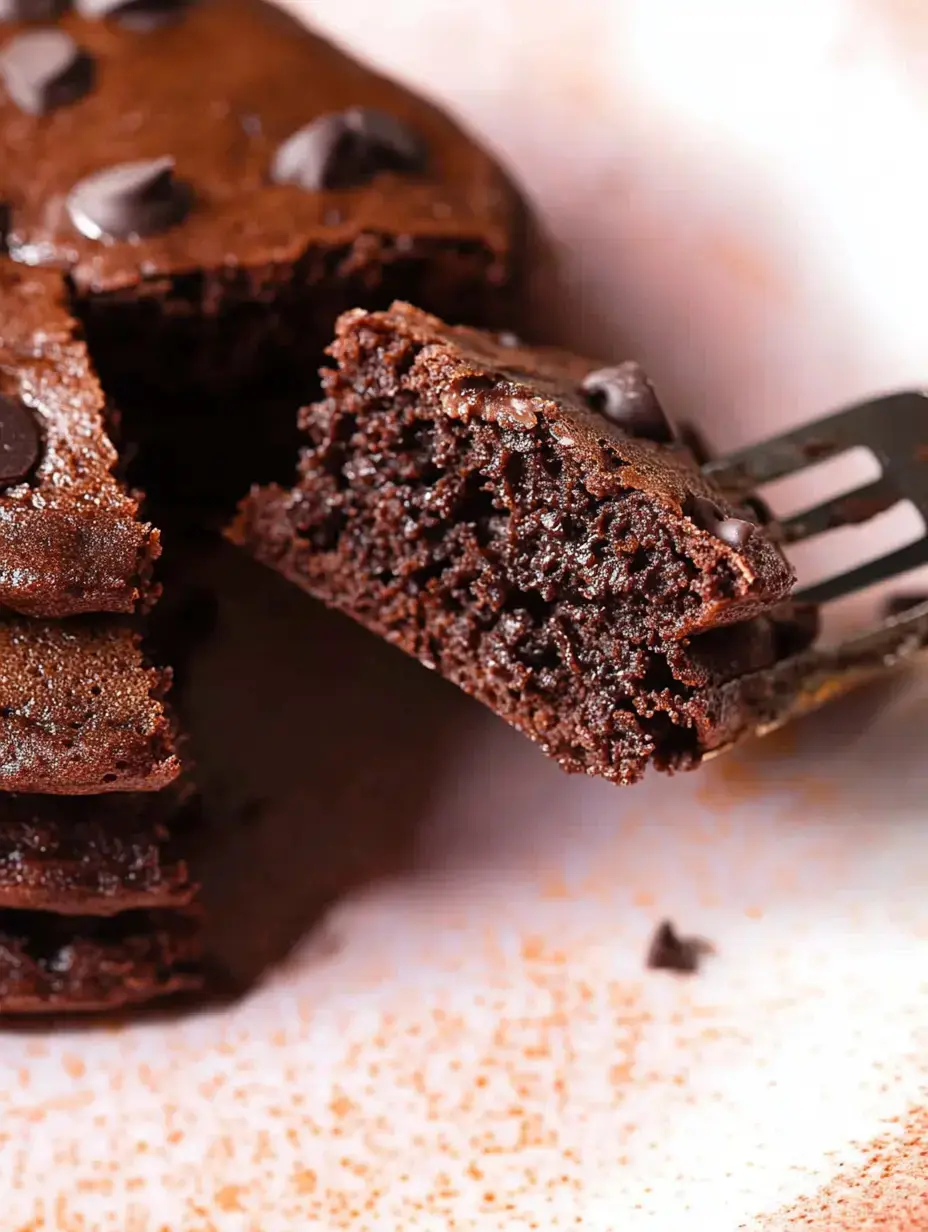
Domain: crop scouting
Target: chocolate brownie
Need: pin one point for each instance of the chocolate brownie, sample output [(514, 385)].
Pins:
[(529, 527), (96, 855), (219, 183), (68, 964), (71, 539), (81, 711)]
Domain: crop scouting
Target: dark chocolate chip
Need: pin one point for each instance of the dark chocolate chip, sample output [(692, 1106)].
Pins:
[(344, 149), (139, 15), (31, 10), (129, 200), (895, 605), (45, 69), (669, 951), (709, 517), (735, 532), (626, 396), (20, 441)]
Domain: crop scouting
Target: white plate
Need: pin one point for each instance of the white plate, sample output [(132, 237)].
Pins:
[(469, 1040)]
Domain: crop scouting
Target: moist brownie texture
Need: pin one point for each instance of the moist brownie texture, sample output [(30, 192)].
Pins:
[(71, 539), (218, 189), (51, 964), (95, 855), (81, 712), (531, 529)]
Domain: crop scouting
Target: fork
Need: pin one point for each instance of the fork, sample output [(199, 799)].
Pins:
[(894, 428)]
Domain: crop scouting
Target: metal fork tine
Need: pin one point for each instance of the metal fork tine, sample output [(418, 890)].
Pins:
[(848, 509), (894, 428), (900, 561), (784, 455)]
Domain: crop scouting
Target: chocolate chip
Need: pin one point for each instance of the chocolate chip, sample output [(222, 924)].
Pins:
[(20, 441), (31, 10), (626, 396), (344, 149), (709, 517), (139, 15), (735, 532), (129, 200), (669, 951), (45, 69)]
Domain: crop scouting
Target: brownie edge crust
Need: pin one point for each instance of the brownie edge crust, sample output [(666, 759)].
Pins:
[(460, 497)]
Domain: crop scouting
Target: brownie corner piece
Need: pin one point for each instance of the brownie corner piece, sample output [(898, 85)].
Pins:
[(528, 525)]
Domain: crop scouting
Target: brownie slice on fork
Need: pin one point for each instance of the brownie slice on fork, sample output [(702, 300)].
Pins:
[(532, 528)]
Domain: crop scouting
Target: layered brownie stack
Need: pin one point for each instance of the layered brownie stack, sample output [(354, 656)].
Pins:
[(208, 186), (94, 897)]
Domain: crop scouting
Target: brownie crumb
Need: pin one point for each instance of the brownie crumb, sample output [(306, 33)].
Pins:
[(669, 951)]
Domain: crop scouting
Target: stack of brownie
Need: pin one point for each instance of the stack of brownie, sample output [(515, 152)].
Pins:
[(191, 194), (94, 897)]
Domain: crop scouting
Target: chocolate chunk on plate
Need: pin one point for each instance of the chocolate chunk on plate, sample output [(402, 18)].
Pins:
[(668, 951), (464, 500)]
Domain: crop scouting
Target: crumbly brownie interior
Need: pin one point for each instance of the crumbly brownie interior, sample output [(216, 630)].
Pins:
[(565, 600), (82, 711)]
